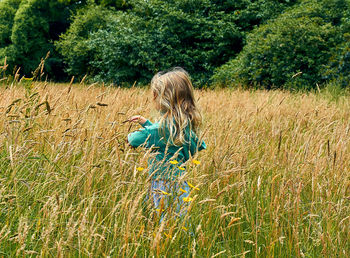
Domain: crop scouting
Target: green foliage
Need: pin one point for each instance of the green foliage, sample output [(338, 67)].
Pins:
[(250, 13), (33, 26), (74, 44), (289, 51), (159, 36), (29, 28), (290, 43), (30, 25), (119, 4), (338, 68), (155, 35), (8, 10)]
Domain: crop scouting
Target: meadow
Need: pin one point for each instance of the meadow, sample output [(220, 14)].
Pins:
[(273, 181)]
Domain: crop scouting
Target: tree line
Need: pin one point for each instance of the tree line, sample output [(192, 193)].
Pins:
[(258, 43)]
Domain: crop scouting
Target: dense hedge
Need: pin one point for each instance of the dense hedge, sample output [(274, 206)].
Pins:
[(32, 26), (29, 28), (338, 69), (292, 51), (8, 9), (126, 41), (135, 45), (74, 44), (265, 43), (155, 35)]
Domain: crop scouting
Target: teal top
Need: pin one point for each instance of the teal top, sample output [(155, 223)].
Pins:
[(160, 166)]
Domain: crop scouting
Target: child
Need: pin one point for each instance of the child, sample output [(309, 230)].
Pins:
[(173, 138)]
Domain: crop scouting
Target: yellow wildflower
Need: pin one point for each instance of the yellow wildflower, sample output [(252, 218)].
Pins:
[(159, 210), (187, 199), (182, 190), (174, 162), (140, 169), (181, 168), (192, 186), (197, 162), (165, 193), (167, 235), (184, 228)]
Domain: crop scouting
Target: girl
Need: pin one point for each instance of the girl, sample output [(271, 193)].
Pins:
[(173, 138)]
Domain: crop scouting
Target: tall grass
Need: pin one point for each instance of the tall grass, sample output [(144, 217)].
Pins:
[(274, 180)]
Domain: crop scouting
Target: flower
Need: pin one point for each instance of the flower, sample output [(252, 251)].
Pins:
[(140, 169), (197, 162), (187, 199), (184, 228), (160, 210), (182, 190), (181, 168), (165, 193), (174, 162), (192, 186), (167, 235)]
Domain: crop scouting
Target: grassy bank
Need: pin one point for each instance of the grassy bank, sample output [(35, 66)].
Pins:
[(274, 180)]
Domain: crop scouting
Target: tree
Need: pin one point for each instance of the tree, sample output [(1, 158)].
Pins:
[(29, 29), (289, 51), (8, 10), (35, 24), (74, 44)]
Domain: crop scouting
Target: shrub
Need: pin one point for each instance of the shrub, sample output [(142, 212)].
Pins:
[(152, 36), (8, 10), (32, 26), (338, 68), (155, 35), (289, 51), (29, 28), (74, 44)]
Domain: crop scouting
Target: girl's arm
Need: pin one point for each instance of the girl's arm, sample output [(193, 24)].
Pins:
[(193, 147), (202, 146), (140, 137), (141, 120)]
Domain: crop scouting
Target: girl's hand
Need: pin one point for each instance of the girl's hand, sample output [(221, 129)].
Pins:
[(137, 119)]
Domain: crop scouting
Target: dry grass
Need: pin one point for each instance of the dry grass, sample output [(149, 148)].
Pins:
[(274, 180)]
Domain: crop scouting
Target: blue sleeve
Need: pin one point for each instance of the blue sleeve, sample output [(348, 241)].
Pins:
[(203, 146), (193, 147), (197, 145), (140, 137), (147, 123)]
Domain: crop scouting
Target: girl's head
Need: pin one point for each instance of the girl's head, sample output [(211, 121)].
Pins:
[(173, 96)]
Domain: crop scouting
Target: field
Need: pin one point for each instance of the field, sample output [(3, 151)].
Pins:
[(274, 180)]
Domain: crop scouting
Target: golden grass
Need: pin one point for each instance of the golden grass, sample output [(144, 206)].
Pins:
[(274, 180)]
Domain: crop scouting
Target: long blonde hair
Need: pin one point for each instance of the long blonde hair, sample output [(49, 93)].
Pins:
[(173, 93)]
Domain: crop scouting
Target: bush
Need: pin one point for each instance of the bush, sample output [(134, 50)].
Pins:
[(8, 10), (155, 35), (32, 25), (74, 44), (338, 68), (29, 28), (152, 36), (289, 51)]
